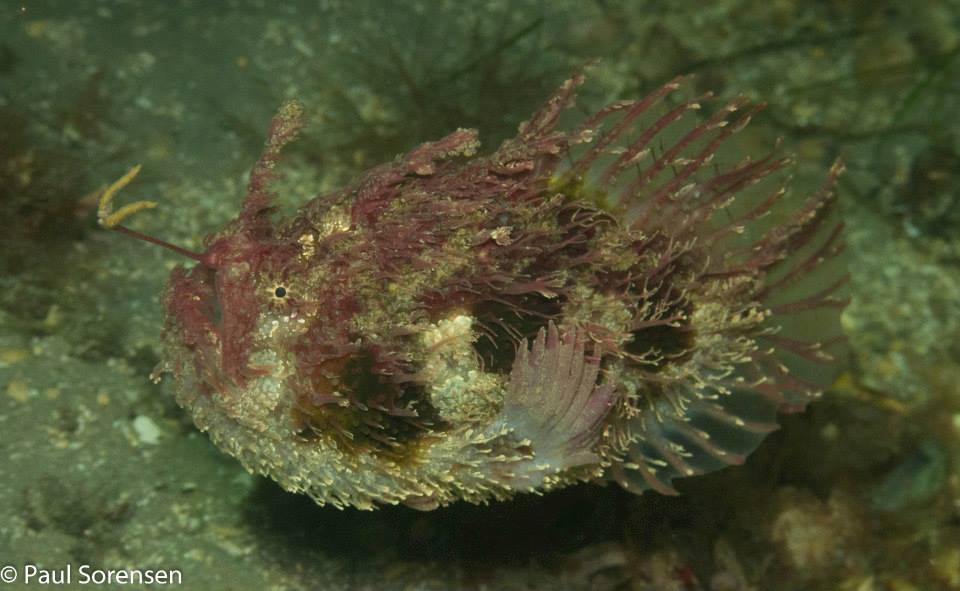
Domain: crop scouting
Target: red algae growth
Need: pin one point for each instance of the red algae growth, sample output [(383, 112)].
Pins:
[(593, 302)]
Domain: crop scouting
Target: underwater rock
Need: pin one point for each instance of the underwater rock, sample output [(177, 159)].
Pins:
[(819, 539), (589, 302), (915, 481)]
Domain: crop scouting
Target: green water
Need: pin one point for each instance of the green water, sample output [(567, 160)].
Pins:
[(99, 467)]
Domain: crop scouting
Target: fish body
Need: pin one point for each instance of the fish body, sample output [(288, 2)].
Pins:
[(595, 302)]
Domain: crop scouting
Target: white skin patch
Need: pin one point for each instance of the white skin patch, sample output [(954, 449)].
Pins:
[(458, 386)]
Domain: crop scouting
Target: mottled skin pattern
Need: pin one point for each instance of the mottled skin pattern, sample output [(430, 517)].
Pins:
[(593, 303)]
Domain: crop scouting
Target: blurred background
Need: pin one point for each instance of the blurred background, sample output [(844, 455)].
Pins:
[(99, 466)]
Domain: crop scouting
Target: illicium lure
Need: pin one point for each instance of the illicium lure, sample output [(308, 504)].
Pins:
[(587, 303)]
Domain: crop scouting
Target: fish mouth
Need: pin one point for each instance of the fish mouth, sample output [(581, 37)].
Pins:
[(192, 316), (191, 302)]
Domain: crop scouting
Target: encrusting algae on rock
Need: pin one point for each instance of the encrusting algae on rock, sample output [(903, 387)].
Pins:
[(585, 304)]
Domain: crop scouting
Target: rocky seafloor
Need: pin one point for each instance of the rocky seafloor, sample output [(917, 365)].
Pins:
[(98, 466)]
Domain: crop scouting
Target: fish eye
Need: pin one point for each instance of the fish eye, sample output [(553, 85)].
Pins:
[(280, 291)]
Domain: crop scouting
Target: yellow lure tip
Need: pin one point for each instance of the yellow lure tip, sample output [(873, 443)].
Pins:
[(105, 214)]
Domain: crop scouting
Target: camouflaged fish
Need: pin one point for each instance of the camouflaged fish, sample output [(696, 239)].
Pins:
[(590, 302)]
